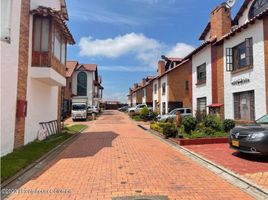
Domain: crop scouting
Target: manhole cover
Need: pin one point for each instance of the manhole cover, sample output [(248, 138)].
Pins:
[(141, 198)]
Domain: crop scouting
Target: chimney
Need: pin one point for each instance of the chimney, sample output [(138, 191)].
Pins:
[(161, 67), (130, 90), (220, 21), (136, 85), (143, 83)]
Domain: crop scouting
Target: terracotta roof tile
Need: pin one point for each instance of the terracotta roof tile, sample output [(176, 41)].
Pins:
[(70, 65), (59, 18), (89, 67)]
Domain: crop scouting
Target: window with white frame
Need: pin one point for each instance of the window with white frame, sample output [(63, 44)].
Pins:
[(6, 20), (202, 104)]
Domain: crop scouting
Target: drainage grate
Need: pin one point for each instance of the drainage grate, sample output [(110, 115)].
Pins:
[(141, 198)]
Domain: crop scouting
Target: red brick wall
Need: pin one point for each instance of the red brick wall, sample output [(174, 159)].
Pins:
[(177, 81), (149, 93), (22, 69), (220, 77), (139, 96), (220, 22), (265, 28)]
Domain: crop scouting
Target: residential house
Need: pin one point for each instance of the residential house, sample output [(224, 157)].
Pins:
[(174, 83), (136, 94), (147, 90), (230, 68), (83, 80), (34, 38)]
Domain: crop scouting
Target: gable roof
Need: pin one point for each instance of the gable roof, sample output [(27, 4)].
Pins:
[(241, 11), (244, 26), (205, 32), (70, 65), (88, 67)]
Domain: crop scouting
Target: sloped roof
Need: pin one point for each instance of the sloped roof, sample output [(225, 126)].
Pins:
[(241, 10), (88, 67), (244, 26), (59, 18), (70, 68)]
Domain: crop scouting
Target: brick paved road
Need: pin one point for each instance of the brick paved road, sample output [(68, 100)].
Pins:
[(116, 158)]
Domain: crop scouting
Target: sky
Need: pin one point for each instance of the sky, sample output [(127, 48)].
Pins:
[(126, 38)]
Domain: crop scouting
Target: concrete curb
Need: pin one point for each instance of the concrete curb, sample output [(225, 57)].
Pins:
[(56, 150), (244, 184)]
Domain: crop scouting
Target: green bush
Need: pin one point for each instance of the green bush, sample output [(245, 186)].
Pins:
[(170, 130), (189, 124), (228, 124), (213, 122), (144, 113), (200, 116), (156, 127), (208, 131)]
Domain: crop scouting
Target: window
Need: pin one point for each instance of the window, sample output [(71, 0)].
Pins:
[(240, 56), (41, 34), (188, 111), (5, 20), (59, 47), (244, 106), (202, 104), (155, 88), (163, 88), (201, 73), (257, 7), (164, 108), (82, 84), (143, 93)]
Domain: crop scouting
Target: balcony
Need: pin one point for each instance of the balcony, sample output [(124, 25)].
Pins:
[(49, 46)]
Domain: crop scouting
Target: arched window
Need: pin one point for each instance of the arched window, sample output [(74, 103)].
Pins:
[(82, 84), (257, 7)]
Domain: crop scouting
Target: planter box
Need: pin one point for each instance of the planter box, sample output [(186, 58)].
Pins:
[(198, 141)]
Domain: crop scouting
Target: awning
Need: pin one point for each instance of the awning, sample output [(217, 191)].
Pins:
[(215, 105)]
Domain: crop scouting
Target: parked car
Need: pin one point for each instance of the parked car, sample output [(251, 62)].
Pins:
[(137, 108), (252, 138), (172, 114), (123, 109), (93, 109)]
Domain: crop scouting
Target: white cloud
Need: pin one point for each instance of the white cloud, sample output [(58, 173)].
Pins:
[(103, 17), (180, 50), (126, 69), (144, 48)]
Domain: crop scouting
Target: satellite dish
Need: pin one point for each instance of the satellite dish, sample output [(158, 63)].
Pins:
[(230, 3)]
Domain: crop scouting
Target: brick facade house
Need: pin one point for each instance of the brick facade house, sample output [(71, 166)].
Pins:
[(34, 38), (227, 75)]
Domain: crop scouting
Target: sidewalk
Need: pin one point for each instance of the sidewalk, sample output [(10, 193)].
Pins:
[(115, 158)]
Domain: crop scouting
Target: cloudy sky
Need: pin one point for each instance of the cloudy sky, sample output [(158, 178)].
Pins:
[(126, 38)]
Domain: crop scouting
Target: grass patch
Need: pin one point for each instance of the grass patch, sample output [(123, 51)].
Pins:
[(137, 118), (24, 156), (75, 128)]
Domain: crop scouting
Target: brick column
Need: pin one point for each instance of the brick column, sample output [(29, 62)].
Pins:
[(22, 69), (265, 29)]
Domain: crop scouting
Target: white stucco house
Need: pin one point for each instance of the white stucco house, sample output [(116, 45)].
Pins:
[(34, 38), (84, 80)]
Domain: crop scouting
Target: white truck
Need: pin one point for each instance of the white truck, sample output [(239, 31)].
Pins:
[(79, 107)]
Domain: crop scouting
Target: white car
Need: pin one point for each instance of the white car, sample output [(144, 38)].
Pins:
[(92, 109), (172, 114), (137, 108)]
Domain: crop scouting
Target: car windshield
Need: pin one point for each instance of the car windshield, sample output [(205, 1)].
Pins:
[(173, 112), (263, 120), (79, 106)]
